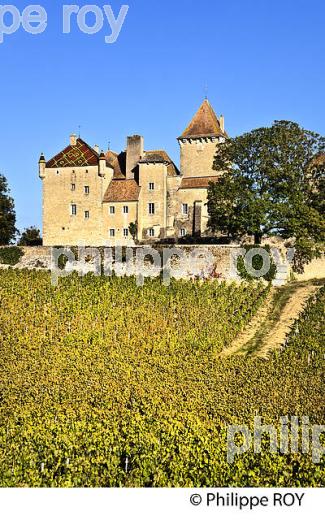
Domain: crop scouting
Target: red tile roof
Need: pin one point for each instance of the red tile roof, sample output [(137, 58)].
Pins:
[(79, 155), (122, 190), (117, 162), (197, 182), (204, 124)]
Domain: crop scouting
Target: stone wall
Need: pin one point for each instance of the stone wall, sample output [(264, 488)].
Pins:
[(201, 261)]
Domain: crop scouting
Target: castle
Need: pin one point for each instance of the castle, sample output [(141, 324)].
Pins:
[(97, 199)]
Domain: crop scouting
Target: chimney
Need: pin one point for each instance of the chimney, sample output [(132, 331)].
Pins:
[(96, 148), (73, 140), (222, 123), (134, 152)]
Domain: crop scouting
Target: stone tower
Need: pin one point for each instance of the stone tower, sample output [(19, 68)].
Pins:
[(198, 142)]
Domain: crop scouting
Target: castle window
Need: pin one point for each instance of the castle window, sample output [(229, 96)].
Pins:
[(185, 209), (112, 233), (151, 208), (86, 171), (151, 232), (112, 210), (125, 209), (87, 214), (73, 187), (183, 232), (87, 191), (151, 186), (125, 232), (73, 209)]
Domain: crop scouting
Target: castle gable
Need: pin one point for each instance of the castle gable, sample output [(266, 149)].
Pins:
[(156, 156), (79, 155), (118, 162)]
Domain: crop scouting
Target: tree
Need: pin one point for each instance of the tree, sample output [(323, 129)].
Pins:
[(31, 237), (272, 184), (8, 229), (133, 229)]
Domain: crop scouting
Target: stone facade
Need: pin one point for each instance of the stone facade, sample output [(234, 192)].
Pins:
[(91, 198)]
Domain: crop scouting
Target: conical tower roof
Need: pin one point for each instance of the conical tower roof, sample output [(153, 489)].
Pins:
[(204, 124)]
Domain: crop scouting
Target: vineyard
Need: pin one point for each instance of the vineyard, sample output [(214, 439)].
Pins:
[(103, 383)]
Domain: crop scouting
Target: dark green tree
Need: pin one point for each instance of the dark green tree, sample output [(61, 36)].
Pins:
[(30, 237), (8, 229), (133, 229), (273, 184)]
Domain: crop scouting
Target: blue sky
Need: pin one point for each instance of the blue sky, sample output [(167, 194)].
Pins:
[(262, 60)]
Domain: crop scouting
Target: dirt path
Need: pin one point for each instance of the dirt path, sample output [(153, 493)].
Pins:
[(296, 304), (269, 328), (251, 329)]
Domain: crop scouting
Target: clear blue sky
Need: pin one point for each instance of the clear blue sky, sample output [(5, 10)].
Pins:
[(262, 60)]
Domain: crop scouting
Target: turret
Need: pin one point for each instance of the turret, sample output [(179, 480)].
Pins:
[(41, 166), (199, 141), (102, 164)]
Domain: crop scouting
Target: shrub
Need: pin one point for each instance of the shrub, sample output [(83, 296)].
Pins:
[(257, 265), (10, 255)]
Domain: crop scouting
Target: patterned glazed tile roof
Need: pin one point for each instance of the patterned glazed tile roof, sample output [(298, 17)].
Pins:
[(204, 124), (197, 182), (122, 190), (79, 155)]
